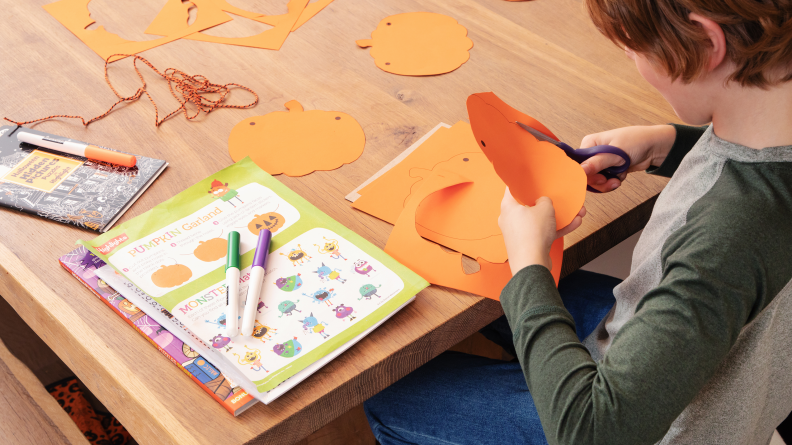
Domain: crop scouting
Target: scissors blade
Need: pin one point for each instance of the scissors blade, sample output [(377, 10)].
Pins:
[(539, 135)]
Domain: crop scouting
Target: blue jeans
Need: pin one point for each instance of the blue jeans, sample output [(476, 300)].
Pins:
[(465, 399)]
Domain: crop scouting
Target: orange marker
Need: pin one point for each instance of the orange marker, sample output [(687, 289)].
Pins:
[(78, 149)]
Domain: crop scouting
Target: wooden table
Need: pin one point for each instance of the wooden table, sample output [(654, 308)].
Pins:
[(543, 57)]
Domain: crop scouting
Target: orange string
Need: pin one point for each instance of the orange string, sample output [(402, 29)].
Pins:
[(190, 88)]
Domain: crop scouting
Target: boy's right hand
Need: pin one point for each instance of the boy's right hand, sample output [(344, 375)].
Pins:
[(646, 146)]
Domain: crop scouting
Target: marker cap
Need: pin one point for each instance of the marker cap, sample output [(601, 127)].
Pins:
[(232, 257), (113, 157), (262, 248)]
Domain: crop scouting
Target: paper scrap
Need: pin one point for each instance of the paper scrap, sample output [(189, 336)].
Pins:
[(530, 168), (444, 268), (298, 142), (419, 44), (74, 15), (270, 39)]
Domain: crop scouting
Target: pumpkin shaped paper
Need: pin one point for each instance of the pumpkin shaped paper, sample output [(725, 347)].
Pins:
[(270, 221), (530, 168), (419, 44), (211, 250), (171, 276), (298, 142)]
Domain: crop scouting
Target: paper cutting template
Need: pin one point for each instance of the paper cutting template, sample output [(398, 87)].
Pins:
[(298, 142), (418, 44)]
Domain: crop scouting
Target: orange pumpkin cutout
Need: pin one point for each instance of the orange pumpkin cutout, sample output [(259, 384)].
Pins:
[(171, 276), (530, 168), (298, 142), (419, 44), (211, 250), (271, 221)]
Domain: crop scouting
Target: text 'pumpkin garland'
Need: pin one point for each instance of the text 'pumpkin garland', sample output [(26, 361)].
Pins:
[(297, 142), (419, 44)]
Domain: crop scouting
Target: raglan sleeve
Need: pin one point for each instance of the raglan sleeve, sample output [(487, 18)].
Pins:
[(686, 138)]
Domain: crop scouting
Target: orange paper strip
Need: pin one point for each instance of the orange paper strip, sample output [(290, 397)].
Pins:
[(530, 168), (443, 268), (419, 44), (74, 15), (462, 218), (269, 39), (298, 142)]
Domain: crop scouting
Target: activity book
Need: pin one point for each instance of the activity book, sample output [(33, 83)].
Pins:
[(158, 326), (68, 188), (325, 287)]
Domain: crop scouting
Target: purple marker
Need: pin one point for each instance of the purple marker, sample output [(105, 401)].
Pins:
[(256, 280)]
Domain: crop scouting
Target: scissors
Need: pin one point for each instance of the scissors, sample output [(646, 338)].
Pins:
[(582, 154)]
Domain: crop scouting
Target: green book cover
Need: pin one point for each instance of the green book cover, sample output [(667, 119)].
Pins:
[(324, 283)]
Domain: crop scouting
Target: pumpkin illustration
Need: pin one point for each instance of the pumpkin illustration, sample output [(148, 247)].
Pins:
[(530, 168), (171, 276), (211, 250), (418, 44), (297, 142), (271, 221)]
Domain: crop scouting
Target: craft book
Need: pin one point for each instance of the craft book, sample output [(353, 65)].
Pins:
[(67, 188), (84, 266), (325, 286)]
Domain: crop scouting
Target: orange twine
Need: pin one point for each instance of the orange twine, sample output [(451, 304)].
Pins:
[(191, 89)]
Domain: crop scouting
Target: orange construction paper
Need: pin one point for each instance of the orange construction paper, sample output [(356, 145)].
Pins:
[(419, 44), (311, 10), (462, 218), (530, 168), (74, 15), (444, 268), (298, 142), (269, 39)]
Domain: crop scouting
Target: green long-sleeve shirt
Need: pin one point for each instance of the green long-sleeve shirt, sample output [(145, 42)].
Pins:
[(714, 255)]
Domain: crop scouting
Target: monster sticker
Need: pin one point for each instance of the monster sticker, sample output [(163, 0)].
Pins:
[(369, 290), (220, 322), (252, 357), (287, 307), (224, 193), (312, 325), (288, 284), (322, 295), (363, 268), (327, 274), (297, 255), (171, 276), (221, 341), (288, 349), (343, 313), (262, 332), (331, 247)]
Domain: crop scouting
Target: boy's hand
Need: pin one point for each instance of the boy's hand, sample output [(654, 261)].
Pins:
[(530, 231), (646, 145)]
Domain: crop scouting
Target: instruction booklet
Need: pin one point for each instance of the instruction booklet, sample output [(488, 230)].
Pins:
[(325, 286)]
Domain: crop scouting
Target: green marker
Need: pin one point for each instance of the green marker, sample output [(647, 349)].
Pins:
[(232, 285)]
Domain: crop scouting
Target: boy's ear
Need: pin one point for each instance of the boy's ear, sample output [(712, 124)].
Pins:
[(717, 39)]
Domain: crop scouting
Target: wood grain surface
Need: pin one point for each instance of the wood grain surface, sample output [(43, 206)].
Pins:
[(29, 415), (542, 57)]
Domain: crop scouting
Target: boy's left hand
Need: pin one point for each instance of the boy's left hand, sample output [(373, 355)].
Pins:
[(530, 231)]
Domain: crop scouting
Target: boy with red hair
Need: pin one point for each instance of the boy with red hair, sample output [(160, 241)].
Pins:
[(696, 348)]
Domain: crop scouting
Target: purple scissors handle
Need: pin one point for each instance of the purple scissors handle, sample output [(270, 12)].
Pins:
[(582, 154)]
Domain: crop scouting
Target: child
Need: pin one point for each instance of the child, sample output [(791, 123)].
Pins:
[(696, 349)]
